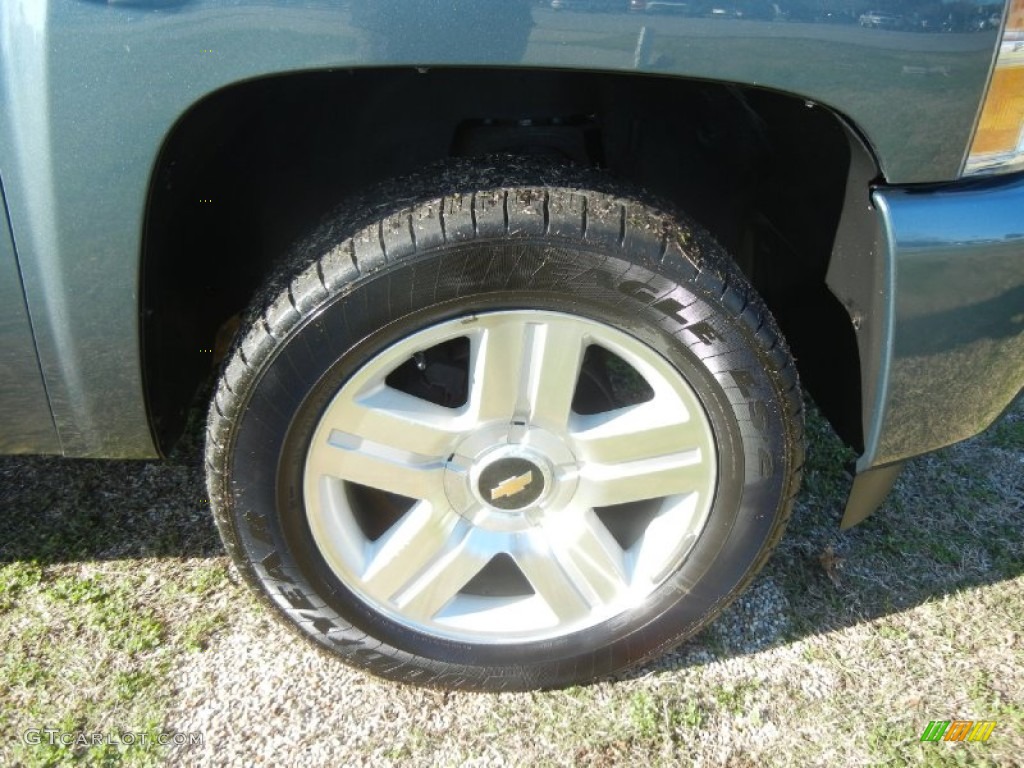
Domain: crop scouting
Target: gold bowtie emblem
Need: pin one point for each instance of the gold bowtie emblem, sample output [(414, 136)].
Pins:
[(512, 486)]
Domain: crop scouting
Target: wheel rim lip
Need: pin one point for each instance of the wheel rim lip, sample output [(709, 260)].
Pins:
[(325, 500)]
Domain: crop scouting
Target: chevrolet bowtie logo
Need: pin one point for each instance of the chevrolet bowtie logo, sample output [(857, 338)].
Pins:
[(512, 486)]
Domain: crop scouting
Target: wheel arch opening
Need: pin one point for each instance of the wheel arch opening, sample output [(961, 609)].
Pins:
[(251, 168)]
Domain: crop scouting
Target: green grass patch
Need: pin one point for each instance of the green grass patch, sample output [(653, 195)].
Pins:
[(15, 578), (82, 658), (200, 629), (205, 580), (827, 458), (733, 698), (1008, 434)]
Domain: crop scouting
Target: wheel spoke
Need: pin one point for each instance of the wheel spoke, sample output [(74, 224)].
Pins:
[(602, 485), (423, 535), (583, 570), (379, 466), (496, 354), (327, 495), (526, 371), (389, 417), (661, 543), (552, 582), (448, 569), (594, 555), (635, 433), (552, 365)]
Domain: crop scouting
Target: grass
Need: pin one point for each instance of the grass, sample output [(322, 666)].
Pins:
[(84, 648), (103, 565), (119, 613), (1008, 434)]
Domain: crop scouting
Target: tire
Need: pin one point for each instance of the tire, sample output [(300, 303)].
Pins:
[(501, 430)]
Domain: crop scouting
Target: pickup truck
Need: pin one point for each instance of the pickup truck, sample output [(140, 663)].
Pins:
[(503, 313)]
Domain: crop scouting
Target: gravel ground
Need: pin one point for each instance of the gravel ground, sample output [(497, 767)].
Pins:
[(119, 612)]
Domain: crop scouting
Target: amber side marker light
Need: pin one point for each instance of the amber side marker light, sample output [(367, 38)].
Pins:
[(999, 139)]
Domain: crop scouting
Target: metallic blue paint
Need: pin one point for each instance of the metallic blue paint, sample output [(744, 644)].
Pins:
[(25, 422), (955, 359)]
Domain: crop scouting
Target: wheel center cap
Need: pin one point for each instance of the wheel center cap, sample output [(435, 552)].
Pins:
[(501, 484), (511, 483)]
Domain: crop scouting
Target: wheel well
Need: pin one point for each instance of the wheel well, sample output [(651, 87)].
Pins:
[(252, 167)]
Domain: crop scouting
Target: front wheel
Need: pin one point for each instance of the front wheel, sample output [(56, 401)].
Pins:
[(519, 434)]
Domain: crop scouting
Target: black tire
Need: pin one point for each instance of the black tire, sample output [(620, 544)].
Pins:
[(465, 240)]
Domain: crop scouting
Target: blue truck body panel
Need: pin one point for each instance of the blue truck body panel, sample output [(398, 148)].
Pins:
[(25, 421), (956, 347)]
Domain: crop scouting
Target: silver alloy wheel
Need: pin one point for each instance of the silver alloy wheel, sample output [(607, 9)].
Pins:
[(506, 535)]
